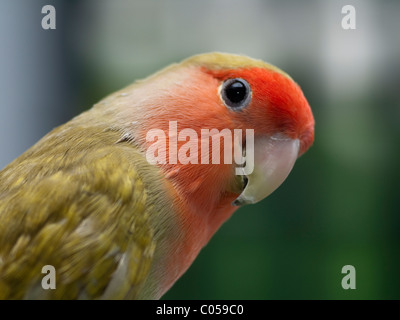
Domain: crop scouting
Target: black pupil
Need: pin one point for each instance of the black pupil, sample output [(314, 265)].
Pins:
[(236, 91)]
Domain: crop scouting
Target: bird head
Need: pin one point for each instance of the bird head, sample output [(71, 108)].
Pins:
[(261, 106)]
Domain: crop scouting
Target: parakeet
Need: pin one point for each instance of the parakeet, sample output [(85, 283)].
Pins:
[(90, 200)]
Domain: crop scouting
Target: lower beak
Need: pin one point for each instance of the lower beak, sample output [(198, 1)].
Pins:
[(273, 158)]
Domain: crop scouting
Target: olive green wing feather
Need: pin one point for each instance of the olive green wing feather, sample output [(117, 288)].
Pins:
[(80, 208)]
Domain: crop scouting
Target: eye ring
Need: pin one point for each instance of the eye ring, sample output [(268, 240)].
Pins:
[(235, 93)]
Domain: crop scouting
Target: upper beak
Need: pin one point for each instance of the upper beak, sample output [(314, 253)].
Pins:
[(273, 158)]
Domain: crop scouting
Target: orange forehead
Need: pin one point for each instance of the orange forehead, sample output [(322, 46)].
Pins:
[(266, 85), (278, 103)]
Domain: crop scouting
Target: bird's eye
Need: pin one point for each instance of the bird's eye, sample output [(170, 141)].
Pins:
[(236, 93)]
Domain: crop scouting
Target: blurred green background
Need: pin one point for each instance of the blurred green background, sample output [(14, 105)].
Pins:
[(340, 204)]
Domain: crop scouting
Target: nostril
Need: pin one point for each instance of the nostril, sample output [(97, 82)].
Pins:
[(306, 139)]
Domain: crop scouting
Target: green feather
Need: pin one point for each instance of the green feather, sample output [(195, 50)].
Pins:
[(88, 204)]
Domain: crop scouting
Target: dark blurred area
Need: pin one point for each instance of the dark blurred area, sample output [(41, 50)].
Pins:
[(340, 204)]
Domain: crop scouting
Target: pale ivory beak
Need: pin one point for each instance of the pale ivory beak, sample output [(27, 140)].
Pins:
[(273, 157)]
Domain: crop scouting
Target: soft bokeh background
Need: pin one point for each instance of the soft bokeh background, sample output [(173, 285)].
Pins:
[(339, 206)]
